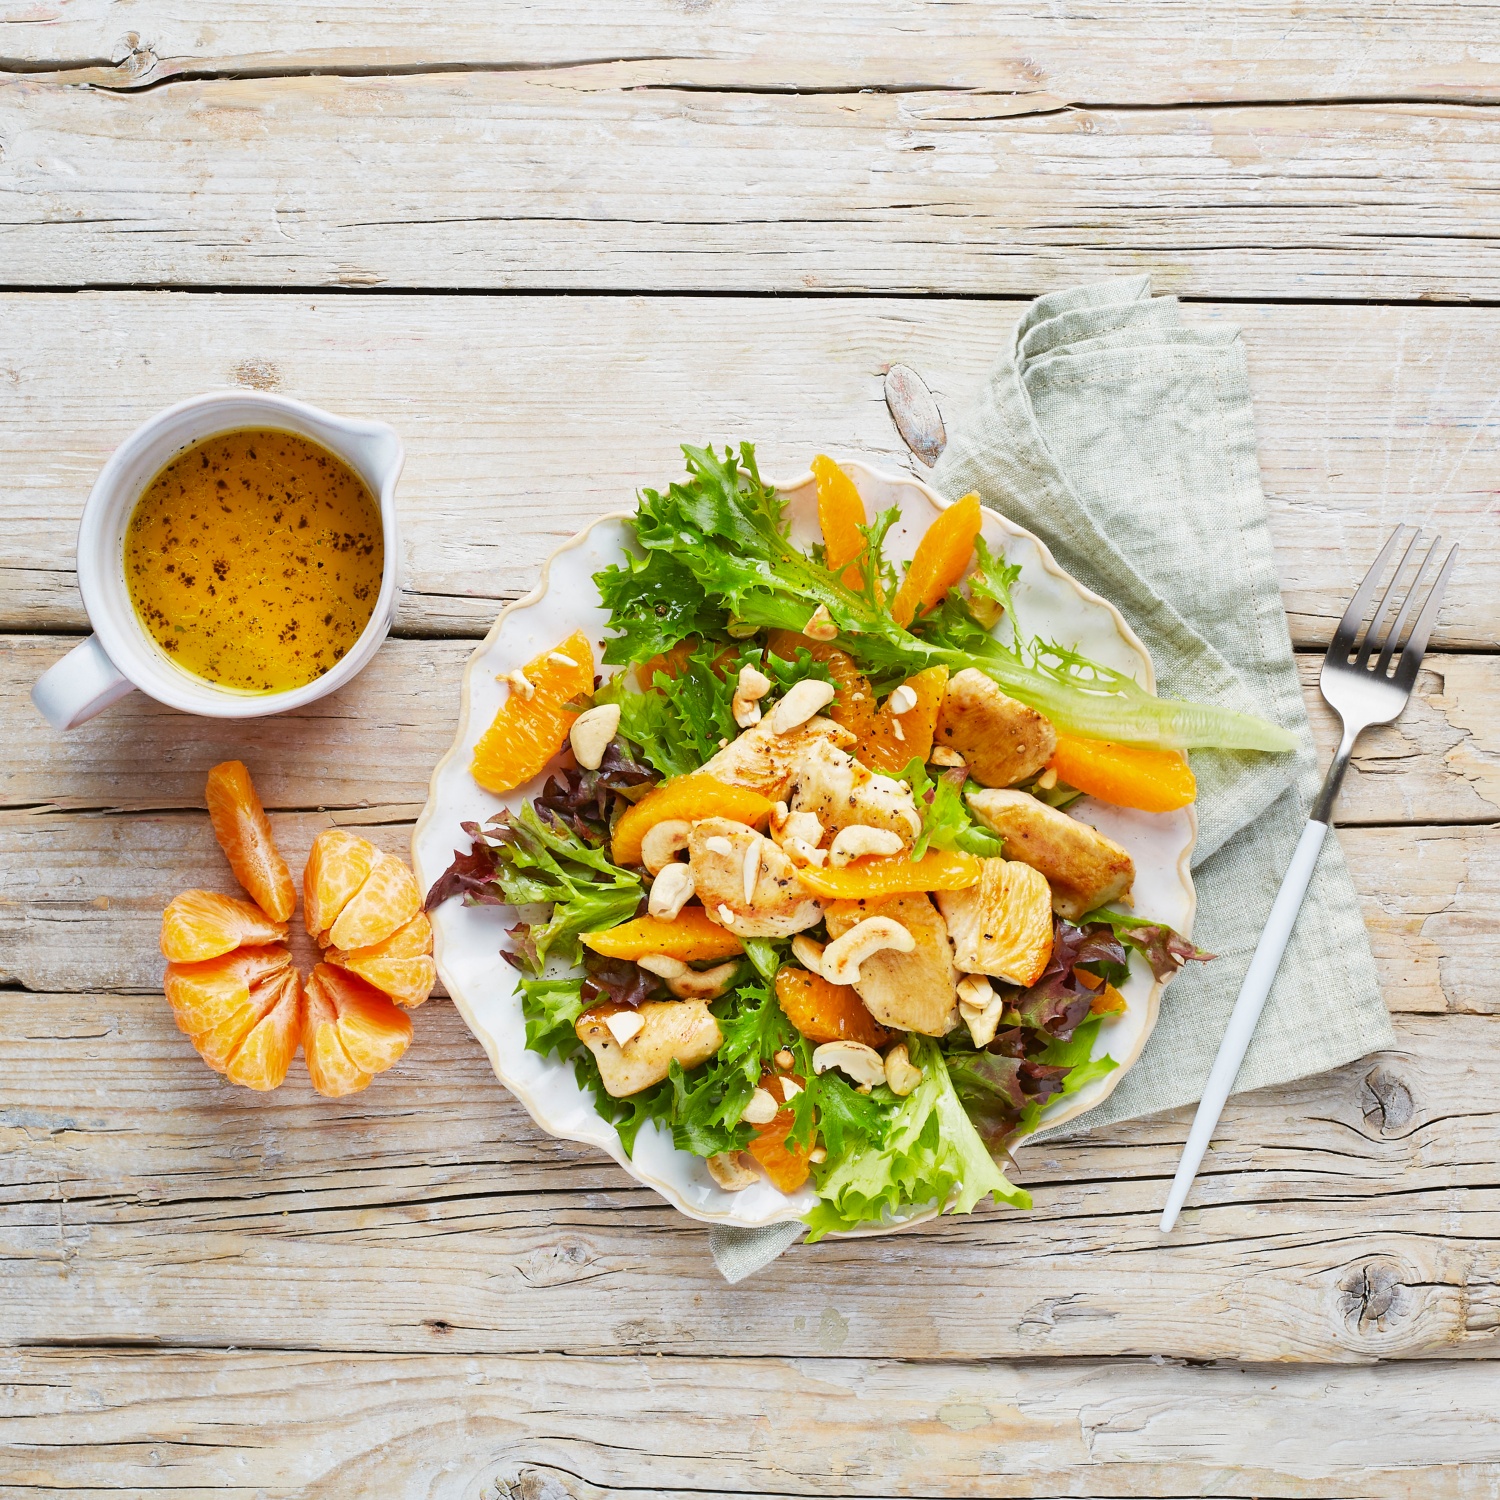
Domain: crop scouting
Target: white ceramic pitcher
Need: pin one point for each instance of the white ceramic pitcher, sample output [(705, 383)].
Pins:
[(121, 656)]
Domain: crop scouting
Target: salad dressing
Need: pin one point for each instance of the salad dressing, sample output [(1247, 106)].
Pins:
[(254, 559)]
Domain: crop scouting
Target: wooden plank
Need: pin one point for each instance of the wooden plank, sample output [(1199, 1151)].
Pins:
[(1111, 53), (546, 1428), (604, 177), (374, 744), (526, 417), (1344, 1218)]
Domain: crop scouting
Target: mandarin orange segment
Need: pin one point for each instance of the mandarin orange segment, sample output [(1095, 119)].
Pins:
[(401, 966), (854, 707), (203, 994), (671, 664), (826, 1012), (786, 1165), (388, 899), (841, 513), (1126, 775), (690, 936), (371, 1030), (937, 870), (329, 1066), (941, 559), (337, 865), (262, 1058), (690, 797), (200, 925), (533, 722), (244, 834), (882, 747)]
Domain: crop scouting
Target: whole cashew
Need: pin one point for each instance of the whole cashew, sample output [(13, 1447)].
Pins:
[(663, 842), (731, 1171), (861, 1063), (686, 983), (843, 956), (859, 839), (808, 952), (753, 686), (900, 1074), (671, 891), (591, 733), (801, 702)]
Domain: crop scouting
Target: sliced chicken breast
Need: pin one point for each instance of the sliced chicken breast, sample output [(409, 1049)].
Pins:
[(1084, 868), (763, 760), (1003, 925), (839, 791), (720, 852), (1002, 741), (906, 991), (681, 1031)]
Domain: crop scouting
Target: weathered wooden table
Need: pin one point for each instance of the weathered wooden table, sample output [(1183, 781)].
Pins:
[(548, 244)]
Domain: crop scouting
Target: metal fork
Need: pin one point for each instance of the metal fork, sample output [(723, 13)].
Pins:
[(1367, 679)]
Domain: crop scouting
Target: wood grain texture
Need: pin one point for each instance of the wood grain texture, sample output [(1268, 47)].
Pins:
[(1119, 51), (524, 418), (1347, 1217), (373, 744), (539, 1428), (613, 176)]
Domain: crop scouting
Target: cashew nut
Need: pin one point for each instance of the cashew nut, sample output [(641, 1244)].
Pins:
[(671, 891), (753, 685), (802, 701), (818, 1155), (718, 844), (808, 952), (519, 682), (900, 1075), (731, 1171), (820, 626), (591, 733), (804, 853), (761, 1109), (843, 956), (859, 839), (943, 756), (903, 700), (751, 870), (861, 1063), (981, 1007), (687, 983), (663, 842), (624, 1024), (795, 825)]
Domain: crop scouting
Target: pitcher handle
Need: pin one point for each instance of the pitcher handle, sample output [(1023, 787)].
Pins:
[(84, 683)]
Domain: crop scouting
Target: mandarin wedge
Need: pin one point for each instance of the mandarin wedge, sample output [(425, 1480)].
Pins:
[(338, 863), (895, 739), (841, 513), (244, 834), (787, 1165), (203, 994), (388, 899), (1127, 775), (826, 1012), (941, 559), (400, 966), (262, 1058), (692, 935), (532, 724), (199, 925), (691, 797), (350, 1031)]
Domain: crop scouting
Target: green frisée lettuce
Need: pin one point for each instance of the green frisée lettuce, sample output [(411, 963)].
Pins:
[(931, 1153), (729, 556), (947, 822)]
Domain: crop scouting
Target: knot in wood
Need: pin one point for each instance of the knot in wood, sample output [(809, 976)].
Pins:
[(1386, 1101), (1374, 1297)]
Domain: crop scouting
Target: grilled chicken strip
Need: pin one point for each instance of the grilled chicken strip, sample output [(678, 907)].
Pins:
[(907, 991), (1002, 741), (1084, 868), (1003, 925), (831, 784), (719, 853), (673, 1031), (764, 761)]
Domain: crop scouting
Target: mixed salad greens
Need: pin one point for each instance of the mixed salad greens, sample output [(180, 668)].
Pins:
[(697, 610)]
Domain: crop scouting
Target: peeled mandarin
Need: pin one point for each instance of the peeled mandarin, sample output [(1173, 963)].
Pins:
[(941, 559), (200, 925), (262, 1058), (369, 1032), (244, 834), (202, 995), (388, 899), (400, 966), (691, 936), (690, 797), (337, 865), (826, 1012), (328, 1065), (786, 1165)]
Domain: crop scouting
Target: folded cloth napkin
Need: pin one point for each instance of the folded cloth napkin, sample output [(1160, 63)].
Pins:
[(1124, 439)]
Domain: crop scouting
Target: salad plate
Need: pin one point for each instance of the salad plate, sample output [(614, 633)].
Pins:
[(469, 938)]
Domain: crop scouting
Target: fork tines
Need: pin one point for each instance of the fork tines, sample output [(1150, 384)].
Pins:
[(1396, 651)]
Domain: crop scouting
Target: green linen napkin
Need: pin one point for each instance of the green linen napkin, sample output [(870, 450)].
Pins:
[(1123, 438)]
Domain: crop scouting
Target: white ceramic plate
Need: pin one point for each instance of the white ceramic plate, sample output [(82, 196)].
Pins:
[(468, 938)]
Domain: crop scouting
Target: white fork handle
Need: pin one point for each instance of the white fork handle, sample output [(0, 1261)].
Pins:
[(1246, 1013)]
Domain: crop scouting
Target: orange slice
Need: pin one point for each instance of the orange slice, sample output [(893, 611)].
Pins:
[(1127, 775), (937, 870), (337, 865), (826, 1012), (893, 739), (400, 966), (786, 1165), (691, 798), (200, 925), (533, 722), (387, 900), (262, 1058), (202, 995), (941, 559), (244, 834), (690, 936), (841, 513), (350, 1032)]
